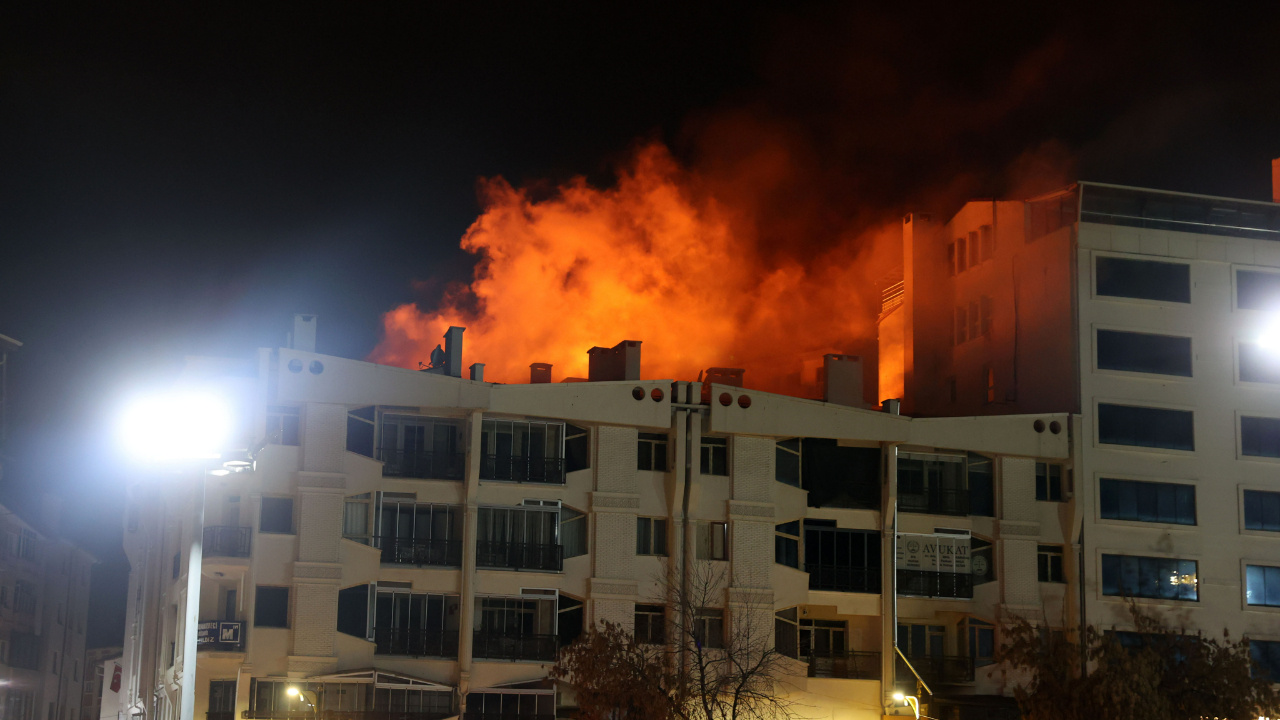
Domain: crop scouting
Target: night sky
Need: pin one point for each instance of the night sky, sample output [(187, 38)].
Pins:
[(180, 179)]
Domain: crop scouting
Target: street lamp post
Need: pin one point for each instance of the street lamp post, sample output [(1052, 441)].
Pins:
[(306, 696), (910, 700)]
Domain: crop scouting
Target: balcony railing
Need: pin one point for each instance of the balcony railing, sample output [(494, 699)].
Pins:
[(307, 713), (220, 715), (843, 578), (522, 469), (226, 541), (935, 502), (937, 669), (423, 464), (519, 556), (507, 716), (854, 665), (220, 636), (501, 646), (926, 583), (419, 551), (415, 642)]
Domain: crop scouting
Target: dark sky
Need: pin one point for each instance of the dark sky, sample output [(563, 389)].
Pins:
[(180, 179)]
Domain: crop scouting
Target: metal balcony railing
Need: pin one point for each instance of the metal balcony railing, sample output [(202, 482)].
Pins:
[(843, 578), (519, 556), (937, 501), (937, 669), (926, 583), (226, 541), (522, 469), (852, 665), (503, 646), (423, 464), (220, 715), (420, 551), (416, 642), (507, 716), (307, 713)]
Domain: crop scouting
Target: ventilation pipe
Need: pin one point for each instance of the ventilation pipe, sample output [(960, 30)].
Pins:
[(477, 372), (303, 336), (453, 351), (540, 373), (842, 380)]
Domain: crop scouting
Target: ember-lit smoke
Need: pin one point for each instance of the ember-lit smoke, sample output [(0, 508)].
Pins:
[(663, 257)]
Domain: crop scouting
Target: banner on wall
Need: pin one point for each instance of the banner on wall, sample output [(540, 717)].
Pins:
[(934, 553)]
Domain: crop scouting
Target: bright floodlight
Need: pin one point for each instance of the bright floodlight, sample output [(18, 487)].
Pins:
[(899, 697), (184, 425), (1268, 337), (293, 691)]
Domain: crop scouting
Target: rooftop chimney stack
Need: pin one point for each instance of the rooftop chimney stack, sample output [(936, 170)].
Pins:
[(303, 336), (477, 372), (453, 351), (842, 380), (620, 362), (540, 373), (720, 376), (1275, 180)]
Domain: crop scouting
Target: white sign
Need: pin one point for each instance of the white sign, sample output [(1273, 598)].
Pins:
[(934, 553)]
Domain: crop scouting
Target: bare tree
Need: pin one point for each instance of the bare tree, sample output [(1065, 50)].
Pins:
[(717, 661)]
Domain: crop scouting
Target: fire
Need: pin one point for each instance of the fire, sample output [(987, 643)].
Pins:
[(659, 258)]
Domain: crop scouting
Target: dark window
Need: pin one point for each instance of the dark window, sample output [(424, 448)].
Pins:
[(1148, 501), (568, 619), (222, 698), (1257, 290), (715, 456), (786, 465), (652, 452), (1149, 577), (282, 425), (841, 560), (708, 628), (651, 536), (936, 484), (1266, 658), (713, 541), (271, 607), (1258, 364), (360, 431), (1262, 585), (1262, 510), (786, 544), (1049, 563), (1049, 482), (353, 611), (1144, 353), (277, 515), (1260, 437), (981, 486), (841, 477), (650, 624), (577, 448), (1144, 279), (573, 532), (1146, 427)]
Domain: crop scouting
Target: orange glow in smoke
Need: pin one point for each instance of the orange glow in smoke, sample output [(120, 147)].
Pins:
[(655, 258)]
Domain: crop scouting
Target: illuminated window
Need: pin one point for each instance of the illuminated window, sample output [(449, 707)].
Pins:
[(1262, 585), (1150, 577)]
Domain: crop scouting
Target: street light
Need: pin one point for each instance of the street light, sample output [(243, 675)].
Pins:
[(306, 696), (910, 700)]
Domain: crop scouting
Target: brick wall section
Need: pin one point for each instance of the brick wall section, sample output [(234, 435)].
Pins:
[(751, 551), (615, 544), (315, 606), (752, 468), (750, 511), (1019, 528), (1021, 585), (615, 459), (324, 441), (618, 612), (319, 525), (1018, 489)]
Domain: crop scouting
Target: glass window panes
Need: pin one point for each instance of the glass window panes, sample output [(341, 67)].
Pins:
[(1262, 585), (1257, 290), (355, 518), (1147, 501), (282, 425), (1258, 364), (709, 627), (271, 607), (1149, 577), (714, 456), (786, 466), (573, 532), (713, 541), (1049, 482), (421, 447), (1266, 658), (1144, 353), (1143, 279), (522, 451), (1146, 427), (652, 452), (1262, 510), (786, 544), (1260, 437), (277, 515), (650, 624), (651, 536), (1049, 563)]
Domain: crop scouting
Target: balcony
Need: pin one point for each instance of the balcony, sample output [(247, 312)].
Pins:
[(843, 578), (226, 541), (507, 716), (937, 669), (519, 556), (503, 646), (306, 713), (220, 636), (514, 468), (849, 665), (926, 583), (415, 642), (417, 551), (423, 464), (935, 502)]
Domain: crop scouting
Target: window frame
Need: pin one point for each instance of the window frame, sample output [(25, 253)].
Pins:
[(712, 532), (649, 613), (1102, 595), (1098, 402), (1134, 522), (1244, 528), (1240, 453), (706, 455), (1104, 327), (703, 620), (1272, 565), (1236, 268), (1099, 297), (288, 609), (293, 515), (1045, 553), (782, 536), (647, 445), (652, 550), (1063, 495)]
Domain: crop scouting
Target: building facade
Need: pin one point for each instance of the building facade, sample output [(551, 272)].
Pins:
[(99, 671), (1152, 315)]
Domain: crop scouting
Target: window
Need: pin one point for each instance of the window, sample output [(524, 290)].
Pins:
[(1049, 482), (974, 249), (355, 518), (510, 706), (708, 628), (573, 532), (24, 597), (421, 447), (962, 254), (282, 425), (981, 486), (651, 536), (24, 650), (715, 456), (177, 564), (26, 544), (989, 380), (1261, 511), (277, 515), (652, 451), (1148, 501), (414, 533), (568, 619), (1143, 279), (360, 431), (786, 465), (1049, 563), (519, 537), (921, 641), (713, 541), (1258, 364), (1266, 658), (353, 611), (1260, 437), (1262, 585), (522, 451), (651, 624), (1146, 427), (975, 323), (577, 448), (936, 484), (1257, 290), (786, 544), (222, 698), (962, 325), (1144, 353), (271, 608), (982, 561), (843, 477), (982, 642), (418, 624), (839, 559), (1149, 577)]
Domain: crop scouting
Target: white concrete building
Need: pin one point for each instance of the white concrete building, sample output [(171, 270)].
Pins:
[(417, 545)]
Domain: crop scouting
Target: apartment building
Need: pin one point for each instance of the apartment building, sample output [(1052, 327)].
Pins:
[(419, 544), (99, 665), (1153, 315)]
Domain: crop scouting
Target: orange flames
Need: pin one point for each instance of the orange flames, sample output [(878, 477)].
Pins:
[(660, 258)]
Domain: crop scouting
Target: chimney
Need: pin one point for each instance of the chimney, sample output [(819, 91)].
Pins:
[(303, 336), (842, 380), (1275, 180), (477, 372), (620, 362), (720, 376), (540, 373), (892, 406), (453, 352)]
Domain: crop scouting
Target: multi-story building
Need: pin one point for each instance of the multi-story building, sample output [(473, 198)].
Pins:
[(421, 544), (1153, 315), (98, 674)]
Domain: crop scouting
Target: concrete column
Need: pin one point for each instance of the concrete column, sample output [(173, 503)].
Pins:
[(466, 618), (888, 578)]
